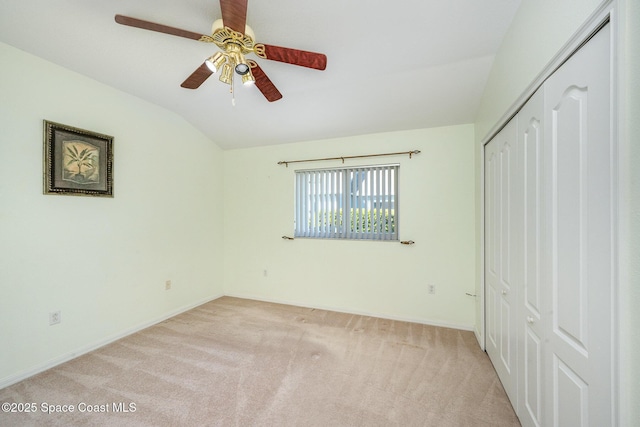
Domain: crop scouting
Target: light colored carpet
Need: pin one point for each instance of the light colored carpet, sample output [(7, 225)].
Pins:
[(236, 362)]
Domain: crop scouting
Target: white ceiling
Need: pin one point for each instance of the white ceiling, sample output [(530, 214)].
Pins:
[(391, 65)]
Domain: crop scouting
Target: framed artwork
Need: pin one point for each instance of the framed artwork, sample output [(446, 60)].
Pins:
[(77, 162)]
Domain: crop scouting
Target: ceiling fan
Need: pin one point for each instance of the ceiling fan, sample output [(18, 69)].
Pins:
[(235, 39)]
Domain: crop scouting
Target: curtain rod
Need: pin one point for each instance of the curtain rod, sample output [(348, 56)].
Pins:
[(410, 153)]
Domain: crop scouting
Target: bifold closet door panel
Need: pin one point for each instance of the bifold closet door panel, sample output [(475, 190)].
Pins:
[(578, 167), (501, 292), (529, 247)]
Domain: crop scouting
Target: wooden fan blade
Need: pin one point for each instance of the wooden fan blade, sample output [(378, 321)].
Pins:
[(303, 58), (234, 14), (263, 83), (197, 77), (146, 25)]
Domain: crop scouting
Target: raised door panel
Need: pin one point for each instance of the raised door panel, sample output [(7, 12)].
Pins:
[(500, 291), (578, 163), (506, 303), (491, 246), (533, 301)]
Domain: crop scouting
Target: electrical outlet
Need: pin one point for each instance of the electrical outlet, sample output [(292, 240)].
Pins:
[(432, 289), (55, 317), (167, 285)]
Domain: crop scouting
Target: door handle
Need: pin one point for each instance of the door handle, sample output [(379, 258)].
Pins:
[(504, 292), (530, 319)]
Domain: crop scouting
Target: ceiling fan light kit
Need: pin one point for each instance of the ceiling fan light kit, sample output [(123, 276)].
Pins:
[(242, 68), (248, 79), (215, 61), (227, 74), (235, 39)]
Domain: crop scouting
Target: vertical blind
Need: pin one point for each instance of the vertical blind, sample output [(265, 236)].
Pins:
[(347, 203)]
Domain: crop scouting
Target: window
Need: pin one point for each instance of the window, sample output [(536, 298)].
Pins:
[(348, 203)]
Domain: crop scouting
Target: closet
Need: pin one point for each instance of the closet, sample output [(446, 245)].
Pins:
[(549, 261)]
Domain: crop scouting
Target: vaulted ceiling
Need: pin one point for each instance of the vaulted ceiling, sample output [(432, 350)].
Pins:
[(392, 65)]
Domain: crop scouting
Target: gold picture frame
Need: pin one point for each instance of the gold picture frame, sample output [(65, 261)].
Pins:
[(77, 162)]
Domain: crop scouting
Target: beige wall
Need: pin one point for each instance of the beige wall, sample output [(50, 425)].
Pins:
[(539, 31), (102, 262), (381, 278)]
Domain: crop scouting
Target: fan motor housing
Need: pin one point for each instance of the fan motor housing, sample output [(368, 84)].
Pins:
[(224, 36)]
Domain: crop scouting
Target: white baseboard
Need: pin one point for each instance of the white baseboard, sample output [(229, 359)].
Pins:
[(479, 337), (12, 379), (362, 313)]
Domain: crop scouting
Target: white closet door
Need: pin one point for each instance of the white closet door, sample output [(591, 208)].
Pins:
[(501, 295), (579, 186), (530, 253)]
